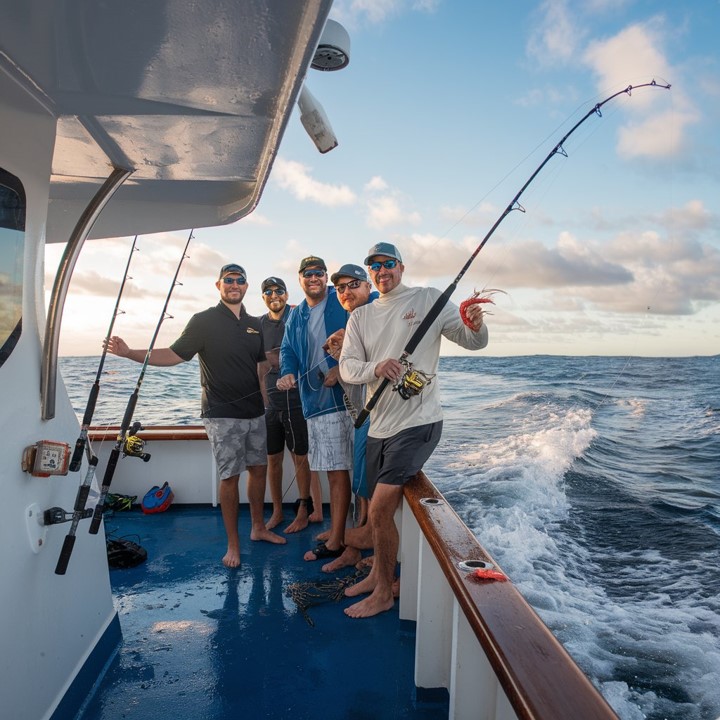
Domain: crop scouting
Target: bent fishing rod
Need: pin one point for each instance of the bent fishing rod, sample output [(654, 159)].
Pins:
[(79, 511), (440, 303), (126, 431)]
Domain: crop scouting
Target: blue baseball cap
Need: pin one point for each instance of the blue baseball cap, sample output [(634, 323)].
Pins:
[(351, 271), (383, 248)]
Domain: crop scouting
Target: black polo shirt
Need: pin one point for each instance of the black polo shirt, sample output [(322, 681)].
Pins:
[(228, 349)]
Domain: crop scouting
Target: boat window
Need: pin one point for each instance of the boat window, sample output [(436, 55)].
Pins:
[(12, 248)]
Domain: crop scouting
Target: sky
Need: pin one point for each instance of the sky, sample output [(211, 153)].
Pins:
[(446, 109)]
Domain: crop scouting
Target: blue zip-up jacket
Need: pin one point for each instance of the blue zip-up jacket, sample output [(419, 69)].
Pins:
[(296, 358)]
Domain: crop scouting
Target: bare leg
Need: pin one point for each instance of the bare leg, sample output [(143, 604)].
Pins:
[(363, 505), (302, 473), (356, 539), (339, 481), (229, 501), (275, 473), (386, 541), (316, 494), (256, 497), (359, 537), (351, 556)]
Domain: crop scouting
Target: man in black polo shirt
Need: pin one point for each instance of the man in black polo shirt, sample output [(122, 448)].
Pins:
[(229, 345)]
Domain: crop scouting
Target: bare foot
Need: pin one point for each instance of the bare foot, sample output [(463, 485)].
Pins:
[(323, 536), (316, 516), (299, 523), (232, 558), (372, 605), (366, 585), (349, 557), (396, 588), (366, 562), (274, 521), (267, 536)]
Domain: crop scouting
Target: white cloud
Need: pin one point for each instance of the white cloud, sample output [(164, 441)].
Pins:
[(635, 56), (375, 184), (295, 177), (386, 211), (556, 36)]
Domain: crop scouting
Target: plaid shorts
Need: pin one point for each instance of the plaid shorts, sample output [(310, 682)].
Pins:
[(331, 441), (237, 443)]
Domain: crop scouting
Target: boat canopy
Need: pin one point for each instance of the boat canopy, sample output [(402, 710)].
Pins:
[(192, 97)]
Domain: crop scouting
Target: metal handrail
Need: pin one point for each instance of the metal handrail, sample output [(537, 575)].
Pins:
[(48, 374)]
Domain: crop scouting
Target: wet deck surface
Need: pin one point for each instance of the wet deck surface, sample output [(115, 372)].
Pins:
[(201, 641)]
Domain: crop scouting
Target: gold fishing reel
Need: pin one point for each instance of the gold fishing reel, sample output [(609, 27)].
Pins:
[(134, 446), (413, 382)]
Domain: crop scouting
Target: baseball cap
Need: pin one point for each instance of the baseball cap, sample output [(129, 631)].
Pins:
[(383, 248), (312, 261), (230, 269), (273, 282), (351, 271)]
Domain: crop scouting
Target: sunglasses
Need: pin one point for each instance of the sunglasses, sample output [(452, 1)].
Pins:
[(352, 285), (273, 291), (313, 273), (230, 281), (387, 264)]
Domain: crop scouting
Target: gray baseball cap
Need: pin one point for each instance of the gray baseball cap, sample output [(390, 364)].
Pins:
[(351, 271), (383, 248)]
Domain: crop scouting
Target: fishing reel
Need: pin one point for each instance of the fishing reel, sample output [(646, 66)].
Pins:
[(133, 445), (413, 382)]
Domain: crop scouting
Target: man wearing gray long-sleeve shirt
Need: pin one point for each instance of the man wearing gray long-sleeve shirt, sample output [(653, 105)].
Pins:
[(403, 432)]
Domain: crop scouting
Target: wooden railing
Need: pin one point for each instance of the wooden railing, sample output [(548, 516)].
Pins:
[(481, 640)]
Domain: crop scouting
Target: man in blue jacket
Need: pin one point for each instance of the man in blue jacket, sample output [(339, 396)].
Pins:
[(305, 364)]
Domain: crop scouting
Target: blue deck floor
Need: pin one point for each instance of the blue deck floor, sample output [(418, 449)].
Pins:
[(203, 642)]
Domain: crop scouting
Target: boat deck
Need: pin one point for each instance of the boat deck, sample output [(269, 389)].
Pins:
[(202, 641)]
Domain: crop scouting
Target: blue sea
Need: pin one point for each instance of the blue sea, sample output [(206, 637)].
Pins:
[(593, 481)]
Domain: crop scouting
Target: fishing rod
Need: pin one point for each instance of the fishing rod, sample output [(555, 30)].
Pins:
[(412, 381), (95, 390), (126, 432), (79, 512)]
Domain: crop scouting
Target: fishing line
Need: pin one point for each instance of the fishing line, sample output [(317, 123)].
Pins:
[(514, 204), (125, 429), (83, 443)]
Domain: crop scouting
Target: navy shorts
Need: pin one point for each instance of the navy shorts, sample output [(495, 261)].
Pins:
[(397, 459), (286, 427)]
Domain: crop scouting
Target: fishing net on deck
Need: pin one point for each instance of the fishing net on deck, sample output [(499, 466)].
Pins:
[(317, 592)]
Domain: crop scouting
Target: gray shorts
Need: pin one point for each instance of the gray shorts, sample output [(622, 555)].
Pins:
[(330, 441), (397, 459), (237, 443)]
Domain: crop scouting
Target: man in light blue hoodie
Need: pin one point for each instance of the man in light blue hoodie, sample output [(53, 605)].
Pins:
[(305, 364)]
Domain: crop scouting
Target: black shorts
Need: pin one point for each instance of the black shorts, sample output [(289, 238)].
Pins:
[(397, 459), (286, 427)]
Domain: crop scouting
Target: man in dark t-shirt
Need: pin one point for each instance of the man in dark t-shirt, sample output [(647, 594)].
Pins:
[(229, 345), (284, 419)]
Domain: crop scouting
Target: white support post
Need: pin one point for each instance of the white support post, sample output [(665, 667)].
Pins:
[(433, 634), (409, 564)]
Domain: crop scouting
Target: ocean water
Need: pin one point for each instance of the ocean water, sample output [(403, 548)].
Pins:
[(593, 481)]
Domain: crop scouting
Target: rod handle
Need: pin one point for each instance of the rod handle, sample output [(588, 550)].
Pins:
[(65, 553)]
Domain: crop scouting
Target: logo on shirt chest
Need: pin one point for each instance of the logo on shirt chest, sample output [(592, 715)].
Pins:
[(409, 317), (252, 331)]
